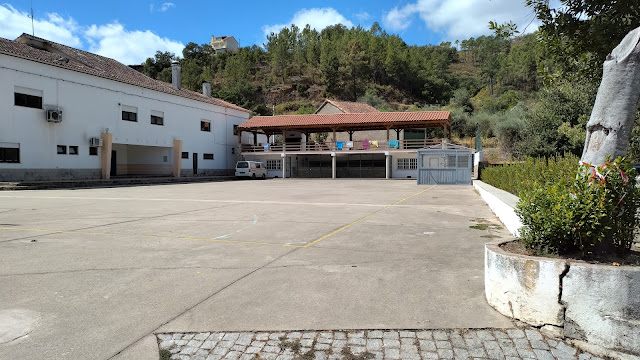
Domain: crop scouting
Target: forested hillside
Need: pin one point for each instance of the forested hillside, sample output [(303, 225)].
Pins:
[(528, 94)]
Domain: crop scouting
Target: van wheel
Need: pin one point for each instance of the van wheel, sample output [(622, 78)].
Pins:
[(264, 176), (253, 176)]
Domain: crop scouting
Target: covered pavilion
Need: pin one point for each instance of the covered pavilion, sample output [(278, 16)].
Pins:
[(295, 131)]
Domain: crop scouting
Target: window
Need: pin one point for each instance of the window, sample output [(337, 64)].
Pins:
[(93, 150), (185, 155), (157, 120), (407, 164), (463, 161), (450, 161), (28, 100), (235, 129), (9, 153), (62, 149), (205, 126), (274, 165), (129, 116), (27, 97), (207, 156), (73, 150)]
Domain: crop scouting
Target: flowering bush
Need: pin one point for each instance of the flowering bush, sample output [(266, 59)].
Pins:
[(594, 214)]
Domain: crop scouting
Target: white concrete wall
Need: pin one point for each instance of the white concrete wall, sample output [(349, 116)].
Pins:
[(502, 204), (91, 104), (264, 158), (595, 305), (395, 173)]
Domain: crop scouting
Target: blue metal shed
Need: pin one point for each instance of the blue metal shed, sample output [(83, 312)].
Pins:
[(446, 164)]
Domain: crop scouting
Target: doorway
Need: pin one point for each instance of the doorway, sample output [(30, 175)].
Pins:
[(114, 163), (195, 163)]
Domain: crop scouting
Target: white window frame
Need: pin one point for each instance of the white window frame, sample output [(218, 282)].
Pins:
[(407, 164), (274, 164)]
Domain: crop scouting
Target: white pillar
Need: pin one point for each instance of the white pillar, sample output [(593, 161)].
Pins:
[(387, 170), (284, 166), (333, 165)]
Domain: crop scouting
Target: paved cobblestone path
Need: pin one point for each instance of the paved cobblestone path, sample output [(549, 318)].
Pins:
[(456, 344)]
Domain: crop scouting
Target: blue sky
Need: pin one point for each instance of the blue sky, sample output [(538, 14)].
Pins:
[(130, 31)]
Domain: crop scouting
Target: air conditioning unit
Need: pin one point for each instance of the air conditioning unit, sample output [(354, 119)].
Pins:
[(54, 115), (94, 142)]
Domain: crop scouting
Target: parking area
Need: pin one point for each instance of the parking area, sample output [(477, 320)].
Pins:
[(94, 273)]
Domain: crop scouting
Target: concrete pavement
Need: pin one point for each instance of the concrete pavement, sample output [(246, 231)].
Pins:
[(102, 270)]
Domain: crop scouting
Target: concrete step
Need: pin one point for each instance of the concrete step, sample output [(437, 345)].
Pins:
[(119, 181)]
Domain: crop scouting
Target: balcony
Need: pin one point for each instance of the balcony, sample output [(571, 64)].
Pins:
[(370, 146)]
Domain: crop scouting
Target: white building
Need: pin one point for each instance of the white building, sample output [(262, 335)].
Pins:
[(224, 44), (70, 114)]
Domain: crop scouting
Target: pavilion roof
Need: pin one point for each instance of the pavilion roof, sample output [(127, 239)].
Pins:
[(348, 121)]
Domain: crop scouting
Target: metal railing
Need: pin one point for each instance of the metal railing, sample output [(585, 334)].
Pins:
[(363, 145)]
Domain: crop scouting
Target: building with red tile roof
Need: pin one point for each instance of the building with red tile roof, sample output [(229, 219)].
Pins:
[(296, 154), (72, 114), (336, 106)]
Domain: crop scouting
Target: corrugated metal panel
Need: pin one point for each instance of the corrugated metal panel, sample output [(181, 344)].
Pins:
[(444, 166)]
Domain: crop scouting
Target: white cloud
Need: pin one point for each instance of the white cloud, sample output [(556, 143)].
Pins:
[(55, 28), (110, 40), (317, 18), (461, 19), (166, 6), (399, 19), (128, 47), (363, 17)]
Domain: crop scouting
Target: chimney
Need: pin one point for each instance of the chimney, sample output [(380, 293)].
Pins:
[(206, 89), (176, 75)]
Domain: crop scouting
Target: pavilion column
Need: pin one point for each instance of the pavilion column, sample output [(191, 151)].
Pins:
[(387, 165), (284, 140), (335, 144), (105, 159), (388, 128), (177, 157), (333, 165), (284, 165), (350, 135), (255, 138)]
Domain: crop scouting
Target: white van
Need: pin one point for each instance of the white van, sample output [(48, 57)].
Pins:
[(252, 169)]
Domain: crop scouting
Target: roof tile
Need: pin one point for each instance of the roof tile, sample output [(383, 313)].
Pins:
[(92, 64), (325, 120)]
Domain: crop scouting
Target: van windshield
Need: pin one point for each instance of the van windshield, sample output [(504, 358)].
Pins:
[(242, 165)]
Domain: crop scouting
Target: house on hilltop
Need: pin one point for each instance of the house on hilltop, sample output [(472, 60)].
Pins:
[(224, 44), (71, 114)]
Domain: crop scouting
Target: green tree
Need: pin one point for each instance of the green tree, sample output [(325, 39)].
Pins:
[(566, 104), (579, 34), (153, 66), (354, 69), (330, 67)]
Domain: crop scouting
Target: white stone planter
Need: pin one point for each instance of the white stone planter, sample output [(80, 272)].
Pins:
[(596, 305)]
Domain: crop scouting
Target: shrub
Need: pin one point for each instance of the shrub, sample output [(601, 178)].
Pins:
[(592, 214), (292, 107), (523, 176)]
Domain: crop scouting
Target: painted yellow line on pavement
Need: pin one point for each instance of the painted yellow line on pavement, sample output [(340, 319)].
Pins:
[(365, 217)]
